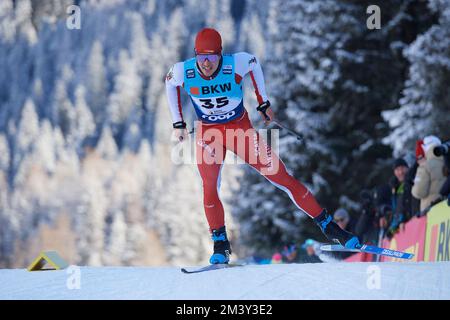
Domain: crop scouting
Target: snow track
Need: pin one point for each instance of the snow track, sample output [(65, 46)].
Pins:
[(409, 280)]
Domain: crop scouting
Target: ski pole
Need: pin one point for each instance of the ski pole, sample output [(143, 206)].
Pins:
[(292, 132)]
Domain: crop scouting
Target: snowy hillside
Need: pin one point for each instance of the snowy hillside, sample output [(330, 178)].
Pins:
[(292, 281), (85, 153)]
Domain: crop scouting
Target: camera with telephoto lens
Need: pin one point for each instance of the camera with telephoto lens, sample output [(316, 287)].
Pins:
[(368, 202), (366, 197), (371, 204), (443, 150)]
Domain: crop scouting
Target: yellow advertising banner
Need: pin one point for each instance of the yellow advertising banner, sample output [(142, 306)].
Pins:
[(437, 245)]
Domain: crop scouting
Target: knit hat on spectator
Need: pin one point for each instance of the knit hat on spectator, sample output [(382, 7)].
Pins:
[(277, 257), (308, 243), (419, 150), (341, 214), (430, 142), (400, 162)]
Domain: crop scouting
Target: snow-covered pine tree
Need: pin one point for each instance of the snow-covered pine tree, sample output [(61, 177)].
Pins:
[(187, 242), (7, 35), (166, 48), (62, 106), (97, 82), (330, 77), (219, 17), (126, 95), (4, 154), (254, 29), (106, 146), (116, 238), (28, 132), (7, 25), (45, 156), (4, 194), (23, 14), (133, 136), (84, 120), (424, 106), (49, 10)]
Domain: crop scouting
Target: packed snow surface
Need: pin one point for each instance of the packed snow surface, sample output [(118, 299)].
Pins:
[(283, 281)]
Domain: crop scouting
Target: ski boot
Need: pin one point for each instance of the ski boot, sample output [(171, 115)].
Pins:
[(334, 233), (222, 248)]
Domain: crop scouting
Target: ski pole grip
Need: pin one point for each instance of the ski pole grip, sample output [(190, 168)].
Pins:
[(179, 125), (263, 108)]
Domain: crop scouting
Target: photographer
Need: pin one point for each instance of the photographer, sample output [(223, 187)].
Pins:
[(414, 205), (443, 150), (376, 215), (445, 190), (430, 177)]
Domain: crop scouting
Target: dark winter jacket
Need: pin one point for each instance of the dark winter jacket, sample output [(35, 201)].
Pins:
[(351, 226), (404, 204), (411, 203), (367, 227), (445, 190)]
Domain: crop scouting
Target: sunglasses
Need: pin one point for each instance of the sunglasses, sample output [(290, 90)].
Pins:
[(211, 57)]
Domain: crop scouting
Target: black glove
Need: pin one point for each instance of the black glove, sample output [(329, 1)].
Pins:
[(179, 125), (263, 108)]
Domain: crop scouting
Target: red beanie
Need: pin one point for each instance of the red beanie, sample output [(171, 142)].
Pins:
[(208, 40), (419, 149)]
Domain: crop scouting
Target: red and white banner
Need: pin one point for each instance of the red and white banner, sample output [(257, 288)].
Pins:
[(411, 240)]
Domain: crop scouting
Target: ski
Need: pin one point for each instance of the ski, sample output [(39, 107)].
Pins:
[(210, 268), (369, 249)]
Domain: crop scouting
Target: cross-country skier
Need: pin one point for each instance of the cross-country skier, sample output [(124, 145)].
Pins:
[(213, 81)]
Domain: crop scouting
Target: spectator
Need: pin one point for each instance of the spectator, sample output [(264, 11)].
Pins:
[(384, 213), (401, 200), (277, 258), (311, 256), (376, 215), (430, 177), (343, 219), (445, 190), (414, 206), (290, 254)]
